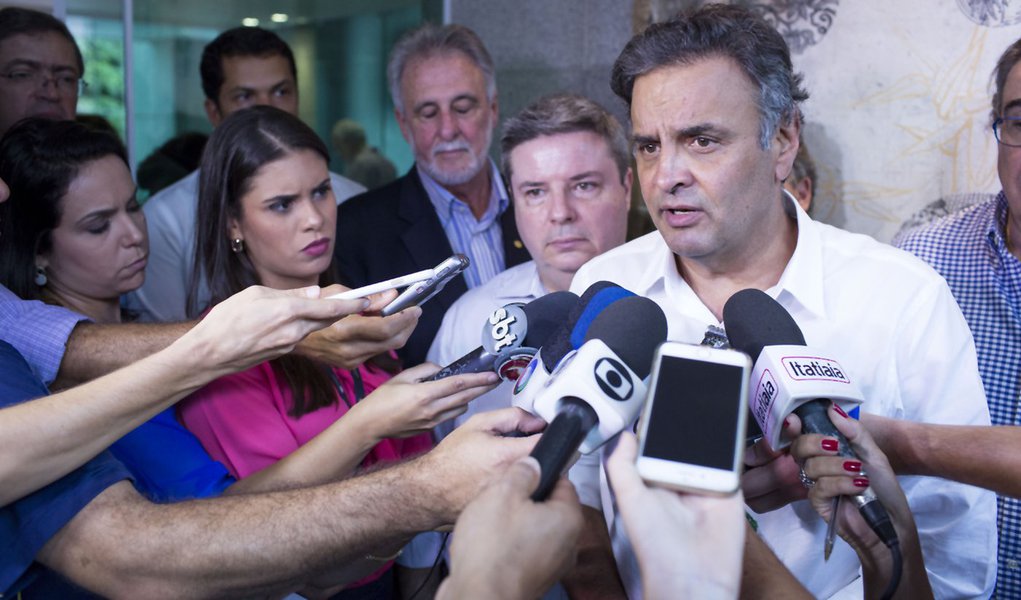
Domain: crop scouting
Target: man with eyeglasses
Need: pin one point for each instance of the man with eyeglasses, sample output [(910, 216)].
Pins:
[(41, 67), (977, 250)]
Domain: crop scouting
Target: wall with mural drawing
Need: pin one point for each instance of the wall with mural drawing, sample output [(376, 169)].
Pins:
[(899, 109), (900, 99)]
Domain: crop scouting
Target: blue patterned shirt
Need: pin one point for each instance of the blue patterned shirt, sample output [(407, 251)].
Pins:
[(481, 240), (969, 250)]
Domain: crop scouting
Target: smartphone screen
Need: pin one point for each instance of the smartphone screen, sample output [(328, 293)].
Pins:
[(694, 413)]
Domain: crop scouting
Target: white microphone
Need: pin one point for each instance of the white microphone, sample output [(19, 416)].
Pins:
[(561, 341), (785, 377), (599, 389)]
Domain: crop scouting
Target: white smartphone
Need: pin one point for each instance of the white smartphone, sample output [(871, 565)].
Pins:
[(418, 293), (692, 430), (383, 286)]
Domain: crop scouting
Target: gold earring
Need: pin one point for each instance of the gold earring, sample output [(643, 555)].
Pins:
[(237, 245)]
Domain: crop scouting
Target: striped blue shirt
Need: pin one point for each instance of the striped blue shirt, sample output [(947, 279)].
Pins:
[(968, 248), (37, 330), (481, 240)]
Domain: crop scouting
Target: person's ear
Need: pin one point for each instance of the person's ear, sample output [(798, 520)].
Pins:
[(786, 142), (213, 112)]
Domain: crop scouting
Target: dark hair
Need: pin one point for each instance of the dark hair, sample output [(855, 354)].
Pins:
[(1008, 59), (435, 40), (719, 30), (240, 41), (39, 158), (174, 160), (237, 150), (565, 113), (18, 21), (97, 122)]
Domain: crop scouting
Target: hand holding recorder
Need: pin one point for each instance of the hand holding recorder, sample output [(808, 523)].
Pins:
[(835, 475)]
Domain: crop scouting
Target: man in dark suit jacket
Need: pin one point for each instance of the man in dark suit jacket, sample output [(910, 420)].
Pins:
[(394, 230), (443, 86)]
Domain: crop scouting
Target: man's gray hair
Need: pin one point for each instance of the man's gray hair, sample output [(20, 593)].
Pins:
[(432, 40), (1008, 59), (564, 113), (719, 30)]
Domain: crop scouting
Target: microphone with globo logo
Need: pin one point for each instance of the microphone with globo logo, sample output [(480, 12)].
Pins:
[(568, 336), (597, 390)]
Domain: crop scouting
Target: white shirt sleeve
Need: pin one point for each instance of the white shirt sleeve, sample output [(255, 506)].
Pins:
[(938, 370)]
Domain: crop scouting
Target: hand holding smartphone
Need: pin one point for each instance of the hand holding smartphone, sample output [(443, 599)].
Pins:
[(693, 424), (418, 293), (383, 286), (421, 285)]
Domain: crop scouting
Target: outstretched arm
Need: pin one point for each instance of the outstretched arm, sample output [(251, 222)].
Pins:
[(398, 408), (262, 544), (983, 456), (42, 440)]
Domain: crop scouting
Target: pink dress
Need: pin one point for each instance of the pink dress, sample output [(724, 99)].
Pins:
[(243, 421)]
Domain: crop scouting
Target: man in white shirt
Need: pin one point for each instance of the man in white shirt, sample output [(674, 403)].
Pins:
[(242, 67), (568, 168), (715, 118)]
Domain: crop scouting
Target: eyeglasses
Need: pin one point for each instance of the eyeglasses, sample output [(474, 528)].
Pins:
[(1008, 131), (66, 82)]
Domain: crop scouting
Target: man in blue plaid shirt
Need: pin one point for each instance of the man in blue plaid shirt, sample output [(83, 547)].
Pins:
[(977, 250)]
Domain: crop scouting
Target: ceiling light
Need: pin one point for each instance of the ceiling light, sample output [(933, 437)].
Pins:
[(278, 18), (250, 22)]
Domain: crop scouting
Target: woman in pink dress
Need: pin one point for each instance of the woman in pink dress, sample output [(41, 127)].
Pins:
[(267, 215)]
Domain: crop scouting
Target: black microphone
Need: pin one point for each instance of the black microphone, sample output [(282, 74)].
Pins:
[(599, 389), (511, 336), (754, 321)]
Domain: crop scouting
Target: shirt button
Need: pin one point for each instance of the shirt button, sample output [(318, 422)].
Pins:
[(1012, 564)]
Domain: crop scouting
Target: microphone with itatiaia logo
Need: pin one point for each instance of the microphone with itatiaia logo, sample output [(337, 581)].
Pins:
[(790, 377)]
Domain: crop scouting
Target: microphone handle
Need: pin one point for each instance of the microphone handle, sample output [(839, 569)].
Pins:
[(560, 441), (814, 419), (476, 361)]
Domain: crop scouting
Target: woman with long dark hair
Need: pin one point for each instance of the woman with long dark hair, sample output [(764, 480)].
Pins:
[(266, 215), (74, 234)]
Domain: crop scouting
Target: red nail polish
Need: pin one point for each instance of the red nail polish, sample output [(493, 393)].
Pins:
[(840, 411), (853, 466), (786, 423), (830, 445), (861, 482)]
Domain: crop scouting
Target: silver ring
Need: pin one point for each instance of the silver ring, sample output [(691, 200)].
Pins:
[(805, 480)]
